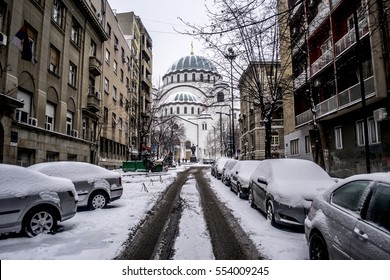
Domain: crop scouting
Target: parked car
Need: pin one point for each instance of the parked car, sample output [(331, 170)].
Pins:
[(95, 185), (226, 171), (351, 220), (32, 202), (208, 161), (285, 188), (219, 167), (240, 175)]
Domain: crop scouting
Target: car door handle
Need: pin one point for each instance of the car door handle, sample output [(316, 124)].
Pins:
[(360, 234)]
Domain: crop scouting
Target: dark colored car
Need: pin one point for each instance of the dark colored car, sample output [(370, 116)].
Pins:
[(285, 188), (33, 202), (351, 220), (95, 185)]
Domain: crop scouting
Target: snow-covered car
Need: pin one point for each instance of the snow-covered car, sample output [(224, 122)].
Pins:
[(226, 171), (218, 167), (240, 175), (95, 185), (32, 202), (285, 188), (351, 220)]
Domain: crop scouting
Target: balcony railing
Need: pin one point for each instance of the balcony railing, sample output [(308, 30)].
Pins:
[(301, 79), (323, 13), (322, 61), (95, 66), (350, 38), (347, 97)]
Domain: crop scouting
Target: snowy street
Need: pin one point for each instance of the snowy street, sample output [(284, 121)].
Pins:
[(101, 234)]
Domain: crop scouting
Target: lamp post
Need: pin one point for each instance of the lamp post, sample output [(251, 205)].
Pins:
[(231, 55)]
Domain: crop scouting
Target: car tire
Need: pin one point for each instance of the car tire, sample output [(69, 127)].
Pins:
[(251, 199), (40, 221), (317, 247), (271, 212), (97, 200)]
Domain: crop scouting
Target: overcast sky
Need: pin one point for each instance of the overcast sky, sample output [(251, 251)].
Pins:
[(160, 19)]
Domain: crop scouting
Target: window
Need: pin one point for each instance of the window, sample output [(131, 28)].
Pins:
[(72, 74), (220, 96), (171, 111), (75, 32), (307, 144), (121, 99), (166, 111), (106, 85), (121, 75), (69, 122), (192, 110), (378, 210), (177, 110), (373, 134), (185, 77), (204, 126), (178, 78), (275, 139), (116, 43), (54, 60), (114, 93), (350, 195), (113, 119), (115, 67), (50, 116), (120, 123), (193, 76), (58, 13), (201, 77), (185, 110), (107, 57), (171, 79), (22, 114), (108, 30), (294, 147), (105, 115), (338, 137), (360, 133), (2, 15), (92, 49), (198, 111)]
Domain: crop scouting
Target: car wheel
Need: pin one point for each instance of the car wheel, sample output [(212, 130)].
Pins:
[(270, 212), (239, 192), (251, 199), (97, 200), (40, 221), (317, 247)]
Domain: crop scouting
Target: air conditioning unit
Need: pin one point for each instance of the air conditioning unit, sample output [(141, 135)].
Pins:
[(21, 116), (116, 47), (74, 133), (99, 16), (33, 121), (380, 115), (99, 95), (3, 39), (48, 126)]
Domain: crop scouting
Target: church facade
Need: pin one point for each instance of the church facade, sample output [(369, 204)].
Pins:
[(194, 94)]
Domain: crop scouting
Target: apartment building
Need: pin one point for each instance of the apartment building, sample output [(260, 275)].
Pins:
[(64, 80), (340, 53), (252, 125)]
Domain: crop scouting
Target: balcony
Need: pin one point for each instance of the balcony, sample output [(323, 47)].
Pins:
[(95, 66), (322, 61), (335, 3), (346, 98), (93, 102), (323, 14), (349, 39), (301, 79)]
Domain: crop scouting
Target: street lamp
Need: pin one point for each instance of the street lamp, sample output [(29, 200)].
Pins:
[(231, 55)]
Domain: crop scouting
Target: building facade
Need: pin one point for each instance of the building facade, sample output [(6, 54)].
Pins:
[(252, 125), (340, 66), (64, 83)]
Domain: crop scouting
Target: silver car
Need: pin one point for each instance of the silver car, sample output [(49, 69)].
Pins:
[(33, 202), (351, 220), (95, 185), (240, 176)]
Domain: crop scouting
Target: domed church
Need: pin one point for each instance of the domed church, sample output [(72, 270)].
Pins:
[(192, 93)]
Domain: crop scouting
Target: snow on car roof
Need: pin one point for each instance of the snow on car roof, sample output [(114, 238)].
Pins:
[(76, 171), (16, 181), (293, 180), (246, 167)]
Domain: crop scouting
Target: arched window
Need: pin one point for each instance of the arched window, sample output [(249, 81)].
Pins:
[(192, 110), (220, 96), (171, 79), (193, 76), (208, 78), (177, 110), (178, 78), (198, 111), (171, 111), (185, 110), (204, 126), (201, 77), (185, 77), (166, 111)]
